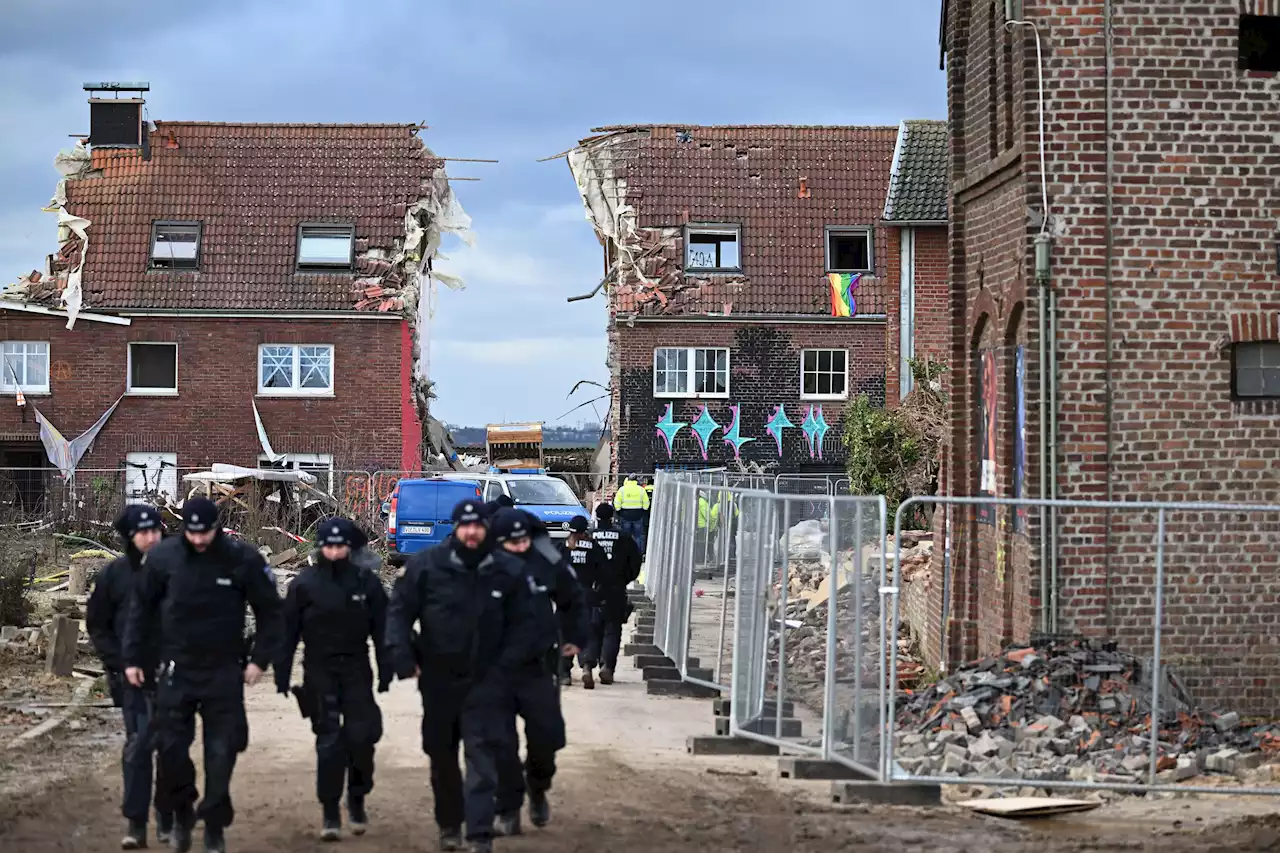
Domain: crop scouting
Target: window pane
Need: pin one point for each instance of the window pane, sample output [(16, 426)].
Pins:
[(15, 370), (849, 252), (838, 381), (316, 366), (838, 360), (277, 367), (810, 360), (153, 366), (1248, 355), (824, 360), (810, 382), (1270, 353), (729, 253), (37, 365), (701, 252), (1249, 382), (1271, 382), (322, 246), (175, 242)]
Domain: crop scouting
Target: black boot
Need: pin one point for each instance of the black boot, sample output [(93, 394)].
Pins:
[(588, 681), (214, 841), (135, 837), (164, 827), (184, 821), (451, 839), (481, 845), (507, 825), (606, 675), (359, 819), (539, 808), (332, 828)]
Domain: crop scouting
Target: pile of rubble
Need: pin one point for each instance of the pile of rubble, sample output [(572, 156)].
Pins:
[(1071, 712)]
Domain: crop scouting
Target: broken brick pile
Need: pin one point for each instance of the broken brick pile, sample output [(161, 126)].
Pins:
[(1070, 712)]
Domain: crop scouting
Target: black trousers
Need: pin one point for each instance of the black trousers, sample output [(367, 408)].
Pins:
[(138, 708), (217, 695), (453, 713), (347, 724), (537, 701), (604, 641)]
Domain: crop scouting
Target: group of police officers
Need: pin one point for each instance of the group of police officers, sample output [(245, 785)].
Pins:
[(488, 622)]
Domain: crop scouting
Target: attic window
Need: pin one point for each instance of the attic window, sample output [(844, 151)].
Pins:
[(1259, 43), (175, 246), (712, 248), (325, 248), (849, 250)]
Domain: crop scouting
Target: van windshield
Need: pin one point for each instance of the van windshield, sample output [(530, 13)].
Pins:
[(542, 493)]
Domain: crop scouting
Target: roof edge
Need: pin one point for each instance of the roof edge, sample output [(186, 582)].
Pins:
[(894, 170)]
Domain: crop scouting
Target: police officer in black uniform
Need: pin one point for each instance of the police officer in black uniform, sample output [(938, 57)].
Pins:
[(613, 609), (562, 616), (334, 607), (197, 586), (588, 562), (474, 611), (139, 526)]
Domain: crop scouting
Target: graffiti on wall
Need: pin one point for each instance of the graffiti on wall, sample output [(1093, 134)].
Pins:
[(814, 427), (1019, 435), (988, 402)]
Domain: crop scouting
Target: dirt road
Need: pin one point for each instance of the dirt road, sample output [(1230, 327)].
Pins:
[(626, 784)]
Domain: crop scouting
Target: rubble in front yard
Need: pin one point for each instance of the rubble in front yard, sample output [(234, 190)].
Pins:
[(1075, 712)]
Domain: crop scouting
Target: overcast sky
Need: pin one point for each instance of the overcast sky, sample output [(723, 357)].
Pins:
[(513, 80)]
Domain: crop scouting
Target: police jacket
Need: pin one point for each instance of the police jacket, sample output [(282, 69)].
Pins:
[(108, 611), (473, 611), (334, 608), (558, 598), (589, 564), (198, 599), (622, 567)]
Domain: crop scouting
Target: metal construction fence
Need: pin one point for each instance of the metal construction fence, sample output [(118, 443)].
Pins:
[(1155, 651)]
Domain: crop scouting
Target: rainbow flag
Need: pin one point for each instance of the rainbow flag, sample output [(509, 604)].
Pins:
[(843, 285)]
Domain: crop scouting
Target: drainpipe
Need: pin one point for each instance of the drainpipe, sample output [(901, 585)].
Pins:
[(1109, 391)]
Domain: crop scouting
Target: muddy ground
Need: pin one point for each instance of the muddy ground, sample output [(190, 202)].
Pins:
[(626, 784)]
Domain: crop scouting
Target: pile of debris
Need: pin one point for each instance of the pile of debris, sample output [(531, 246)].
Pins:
[(1071, 711)]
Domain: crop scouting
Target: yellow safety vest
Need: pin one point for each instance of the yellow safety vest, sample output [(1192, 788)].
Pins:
[(631, 496)]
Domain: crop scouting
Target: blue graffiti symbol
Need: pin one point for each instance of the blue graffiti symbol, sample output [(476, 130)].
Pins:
[(820, 431), (668, 428), (733, 436), (777, 424), (704, 427), (810, 429)]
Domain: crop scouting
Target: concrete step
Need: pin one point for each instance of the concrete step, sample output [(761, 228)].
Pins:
[(641, 661), (633, 649), (892, 794), (791, 727), (716, 745), (679, 688), (799, 767), (672, 673), (642, 637)]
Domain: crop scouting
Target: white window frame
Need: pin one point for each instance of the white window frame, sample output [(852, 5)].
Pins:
[(128, 371), (295, 390), (305, 266), (690, 374), (175, 264), (718, 228), (309, 461), (844, 230), (7, 384), (845, 353), (167, 471)]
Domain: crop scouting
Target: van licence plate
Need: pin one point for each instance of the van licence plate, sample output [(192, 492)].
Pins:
[(421, 529)]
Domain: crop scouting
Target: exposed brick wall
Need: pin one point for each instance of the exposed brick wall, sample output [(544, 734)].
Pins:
[(932, 303), (211, 419), (764, 364), (1195, 195)]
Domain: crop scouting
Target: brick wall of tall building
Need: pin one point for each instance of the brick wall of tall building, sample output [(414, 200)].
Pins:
[(1195, 190), (764, 367), (932, 299), (211, 417)]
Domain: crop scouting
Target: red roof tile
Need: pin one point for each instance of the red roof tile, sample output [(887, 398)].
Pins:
[(250, 185), (751, 175)]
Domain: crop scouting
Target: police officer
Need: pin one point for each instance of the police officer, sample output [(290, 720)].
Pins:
[(334, 607), (473, 609), (561, 612), (632, 506), (622, 559), (197, 585), (108, 609), (589, 563)]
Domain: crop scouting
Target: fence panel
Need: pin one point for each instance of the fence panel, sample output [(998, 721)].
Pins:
[(1154, 645)]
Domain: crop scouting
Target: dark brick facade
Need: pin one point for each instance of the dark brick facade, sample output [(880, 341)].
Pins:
[(764, 366), (1194, 145), (211, 418)]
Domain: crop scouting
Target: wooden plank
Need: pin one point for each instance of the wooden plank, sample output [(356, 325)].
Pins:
[(1021, 808), (65, 636)]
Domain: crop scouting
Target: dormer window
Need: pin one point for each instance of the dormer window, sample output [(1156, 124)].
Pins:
[(175, 246), (326, 247)]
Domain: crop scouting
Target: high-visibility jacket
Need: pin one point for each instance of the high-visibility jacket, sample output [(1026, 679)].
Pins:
[(708, 513), (631, 496)]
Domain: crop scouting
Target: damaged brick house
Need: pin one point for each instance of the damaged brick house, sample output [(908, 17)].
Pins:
[(239, 293), (750, 279), (1116, 333)]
